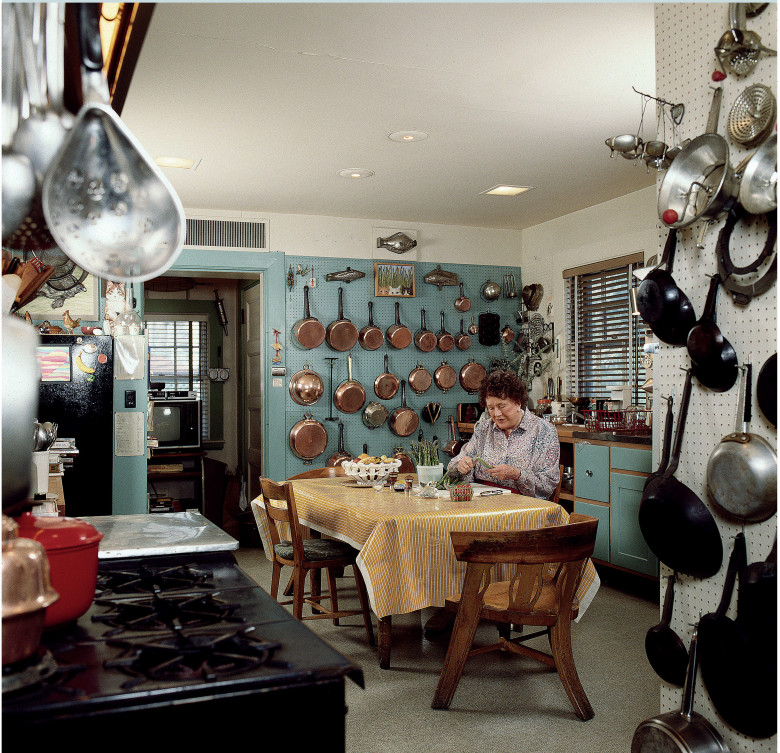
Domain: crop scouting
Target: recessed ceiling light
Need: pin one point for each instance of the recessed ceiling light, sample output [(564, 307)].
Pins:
[(408, 136), (355, 172), (180, 162), (508, 190)]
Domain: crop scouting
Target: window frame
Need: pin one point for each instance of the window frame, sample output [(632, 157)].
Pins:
[(160, 307), (605, 309)]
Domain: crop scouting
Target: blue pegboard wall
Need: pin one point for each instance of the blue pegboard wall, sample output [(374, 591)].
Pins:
[(367, 365)]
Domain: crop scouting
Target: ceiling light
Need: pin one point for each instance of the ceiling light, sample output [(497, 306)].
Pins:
[(355, 172), (180, 162), (507, 190), (408, 136)]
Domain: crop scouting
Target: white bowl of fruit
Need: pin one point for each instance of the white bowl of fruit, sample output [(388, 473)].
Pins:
[(368, 470)]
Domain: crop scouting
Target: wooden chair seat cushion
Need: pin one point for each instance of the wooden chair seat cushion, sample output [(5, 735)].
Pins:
[(318, 550), (496, 605)]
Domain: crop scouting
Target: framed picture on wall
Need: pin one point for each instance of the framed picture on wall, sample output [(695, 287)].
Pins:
[(393, 279)]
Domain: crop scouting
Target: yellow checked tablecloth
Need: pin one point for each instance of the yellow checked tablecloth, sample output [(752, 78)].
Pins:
[(406, 554)]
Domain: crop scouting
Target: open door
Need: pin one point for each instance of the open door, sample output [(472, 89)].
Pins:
[(252, 398)]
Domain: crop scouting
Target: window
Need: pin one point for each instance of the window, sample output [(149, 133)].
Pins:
[(178, 356), (604, 342)]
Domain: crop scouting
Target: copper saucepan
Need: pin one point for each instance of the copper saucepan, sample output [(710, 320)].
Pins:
[(306, 386), (308, 438), (445, 340), (341, 334), (371, 337), (420, 379), (445, 377), (462, 303), (399, 335), (403, 420), (462, 340), (308, 332), (472, 374), (386, 385), (424, 339), (350, 395), (340, 454)]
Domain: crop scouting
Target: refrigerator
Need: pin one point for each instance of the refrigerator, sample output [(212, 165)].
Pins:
[(77, 392)]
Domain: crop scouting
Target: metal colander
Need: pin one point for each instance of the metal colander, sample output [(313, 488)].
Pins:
[(752, 115)]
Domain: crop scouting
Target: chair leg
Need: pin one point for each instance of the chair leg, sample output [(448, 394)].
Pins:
[(299, 583), (275, 581), (316, 587), (364, 605), (334, 594), (289, 588), (560, 642), (463, 631)]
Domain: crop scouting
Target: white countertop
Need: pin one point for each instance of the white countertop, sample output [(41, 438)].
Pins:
[(158, 533)]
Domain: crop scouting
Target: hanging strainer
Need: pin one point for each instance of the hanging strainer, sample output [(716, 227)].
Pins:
[(752, 115)]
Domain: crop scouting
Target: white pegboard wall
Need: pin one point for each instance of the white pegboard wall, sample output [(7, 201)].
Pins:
[(686, 34)]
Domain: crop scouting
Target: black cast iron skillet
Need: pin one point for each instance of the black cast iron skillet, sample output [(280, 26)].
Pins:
[(677, 526), (666, 447), (662, 305), (766, 389), (738, 664), (665, 650), (715, 362)]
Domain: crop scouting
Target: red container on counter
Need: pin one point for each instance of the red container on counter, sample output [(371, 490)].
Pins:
[(72, 549)]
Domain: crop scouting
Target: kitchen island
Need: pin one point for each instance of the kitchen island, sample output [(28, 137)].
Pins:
[(177, 648)]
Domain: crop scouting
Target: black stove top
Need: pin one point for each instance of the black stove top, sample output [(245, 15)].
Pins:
[(169, 633)]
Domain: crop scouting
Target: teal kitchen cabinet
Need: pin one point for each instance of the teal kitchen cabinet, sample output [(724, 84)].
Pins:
[(628, 547), (600, 512), (591, 472)]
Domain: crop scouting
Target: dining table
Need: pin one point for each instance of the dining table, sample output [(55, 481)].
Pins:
[(405, 552)]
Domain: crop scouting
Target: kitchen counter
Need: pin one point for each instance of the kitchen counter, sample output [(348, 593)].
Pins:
[(158, 533), (612, 436)]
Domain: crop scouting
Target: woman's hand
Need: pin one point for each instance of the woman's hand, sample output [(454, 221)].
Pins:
[(504, 472), (465, 464)]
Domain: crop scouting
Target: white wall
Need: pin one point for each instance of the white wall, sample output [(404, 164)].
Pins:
[(618, 227)]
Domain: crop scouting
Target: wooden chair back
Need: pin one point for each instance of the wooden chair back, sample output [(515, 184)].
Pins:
[(276, 514), (557, 493), (328, 472)]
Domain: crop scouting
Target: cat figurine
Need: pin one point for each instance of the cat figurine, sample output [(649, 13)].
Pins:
[(116, 302)]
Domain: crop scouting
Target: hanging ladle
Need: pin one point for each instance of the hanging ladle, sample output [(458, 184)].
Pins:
[(107, 204)]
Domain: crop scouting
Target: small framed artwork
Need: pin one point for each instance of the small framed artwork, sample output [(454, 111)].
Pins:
[(393, 279)]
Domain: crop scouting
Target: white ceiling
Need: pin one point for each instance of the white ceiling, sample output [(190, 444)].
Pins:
[(273, 99)]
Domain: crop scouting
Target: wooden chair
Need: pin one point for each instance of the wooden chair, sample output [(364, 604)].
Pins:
[(541, 593), (308, 556), (327, 472)]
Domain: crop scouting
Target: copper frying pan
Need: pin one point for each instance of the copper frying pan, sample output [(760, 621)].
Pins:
[(308, 438), (445, 377), (399, 335), (420, 379), (350, 395), (340, 454), (462, 340), (371, 337), (403, 420), (309, 332), (341, 334), (463, 303), (424, 339), (472, 374), (386, 385), (445, 339)]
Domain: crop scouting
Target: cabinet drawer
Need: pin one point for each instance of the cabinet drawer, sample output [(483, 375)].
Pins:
[(591, 471), (601, 550), (627, 459), (628, 547)]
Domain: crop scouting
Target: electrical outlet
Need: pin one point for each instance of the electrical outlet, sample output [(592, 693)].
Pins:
[(129, 398)]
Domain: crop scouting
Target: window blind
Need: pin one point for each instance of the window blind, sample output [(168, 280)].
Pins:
[(603, 340), (178, 356)]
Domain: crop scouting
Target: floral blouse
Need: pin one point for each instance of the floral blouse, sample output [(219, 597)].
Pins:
[(533, 447)]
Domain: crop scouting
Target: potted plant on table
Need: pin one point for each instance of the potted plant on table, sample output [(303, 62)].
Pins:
[(426, 457)]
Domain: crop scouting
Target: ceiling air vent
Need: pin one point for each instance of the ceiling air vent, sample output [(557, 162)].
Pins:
[(239, 235)]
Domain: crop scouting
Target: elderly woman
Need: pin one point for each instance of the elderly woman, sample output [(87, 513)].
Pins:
[(521, 449)]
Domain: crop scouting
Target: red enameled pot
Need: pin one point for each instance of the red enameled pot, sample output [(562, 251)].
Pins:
[(72, 549)]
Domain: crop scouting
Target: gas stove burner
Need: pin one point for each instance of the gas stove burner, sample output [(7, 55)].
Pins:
[(149, 580), (165, 612), (41, 671), (182, 657)]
